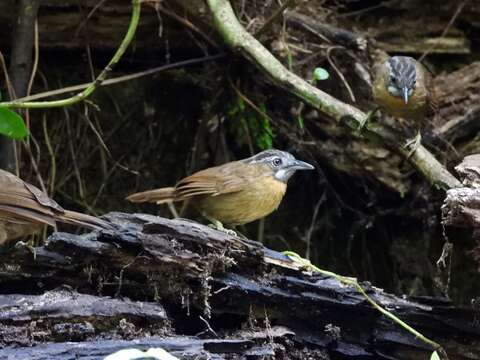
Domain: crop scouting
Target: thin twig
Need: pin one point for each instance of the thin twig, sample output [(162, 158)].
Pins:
[(8, 82), (93, 85), (272, 18), (53, 160), (36, 56), (339, 73), (185, 22), (89, 15), (445, 31), (121, 79), (249, 102)]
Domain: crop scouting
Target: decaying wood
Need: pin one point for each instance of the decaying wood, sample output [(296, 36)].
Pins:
[(327, 32), (462, 205), (237, 286), (459, 103), (185, 348), (65, 315), (461, 208)]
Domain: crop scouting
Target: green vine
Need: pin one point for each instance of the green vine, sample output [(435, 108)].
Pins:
[(306, 264), (97, 82)]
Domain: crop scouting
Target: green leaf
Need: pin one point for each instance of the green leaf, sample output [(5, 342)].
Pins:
[(11, 124), (320, 74), (434, 356)]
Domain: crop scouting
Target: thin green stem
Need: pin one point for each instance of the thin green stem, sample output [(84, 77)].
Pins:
[(97, 82), (353, 282)]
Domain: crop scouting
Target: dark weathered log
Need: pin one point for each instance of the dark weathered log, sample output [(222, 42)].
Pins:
[(327, 32), (65, 315), (459, 103), (462, 206), (202, 273), (185, 348)]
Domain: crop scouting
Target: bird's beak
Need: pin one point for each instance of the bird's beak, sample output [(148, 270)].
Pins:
[(405, 94), (300, 165)]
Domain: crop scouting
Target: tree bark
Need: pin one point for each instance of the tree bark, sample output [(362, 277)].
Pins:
[(20, 68), (204, 276)]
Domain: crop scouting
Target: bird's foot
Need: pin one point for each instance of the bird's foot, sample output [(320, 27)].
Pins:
[(26, 245), (370, 115), (217, 225), (413, 144)]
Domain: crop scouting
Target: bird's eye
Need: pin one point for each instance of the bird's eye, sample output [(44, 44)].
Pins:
[(393, 78), (277, 162)]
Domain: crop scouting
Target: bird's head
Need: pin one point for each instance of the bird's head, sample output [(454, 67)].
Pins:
[(282, 164), (402, 76)]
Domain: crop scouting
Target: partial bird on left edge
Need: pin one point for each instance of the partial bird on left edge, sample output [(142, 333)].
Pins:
[(234, 193), (25, 209)]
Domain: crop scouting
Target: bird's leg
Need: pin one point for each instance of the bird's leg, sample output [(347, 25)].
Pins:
[(3, 235), (370, 115), (413, 144), (219, 226), (239, 234)]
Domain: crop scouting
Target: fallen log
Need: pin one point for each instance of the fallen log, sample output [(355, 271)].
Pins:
[(181, 346), (462, 205), (230, 287)]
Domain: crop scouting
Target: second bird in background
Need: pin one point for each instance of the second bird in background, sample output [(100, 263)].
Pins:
[(234, 193), (403, 88)]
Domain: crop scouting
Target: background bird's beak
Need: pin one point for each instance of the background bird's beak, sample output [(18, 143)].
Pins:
[(405, 94), (300, 165)]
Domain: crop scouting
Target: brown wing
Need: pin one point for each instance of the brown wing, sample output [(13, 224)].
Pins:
[(21, 202), (223, 179)]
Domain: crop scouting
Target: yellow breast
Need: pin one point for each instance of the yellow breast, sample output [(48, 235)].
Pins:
[(261, 197), (396, 107), (417, 105)]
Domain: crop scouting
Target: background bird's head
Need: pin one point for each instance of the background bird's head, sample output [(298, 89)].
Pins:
[(402, 76), (281, 163)]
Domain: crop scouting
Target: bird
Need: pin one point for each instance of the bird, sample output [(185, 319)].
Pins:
[(234, 193), (25, 209), (403, 88)]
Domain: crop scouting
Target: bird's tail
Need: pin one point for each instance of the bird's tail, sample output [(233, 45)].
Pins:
[(84, 220), (158, 196)]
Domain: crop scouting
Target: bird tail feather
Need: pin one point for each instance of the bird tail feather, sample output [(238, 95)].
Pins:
[(88, 221), (158, 196)]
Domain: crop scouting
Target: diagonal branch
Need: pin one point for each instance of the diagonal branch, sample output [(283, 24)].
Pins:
[(235, 35)]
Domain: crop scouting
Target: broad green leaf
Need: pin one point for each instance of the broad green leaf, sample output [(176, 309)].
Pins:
[(320, 74), (434, 356), (11, 124)]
